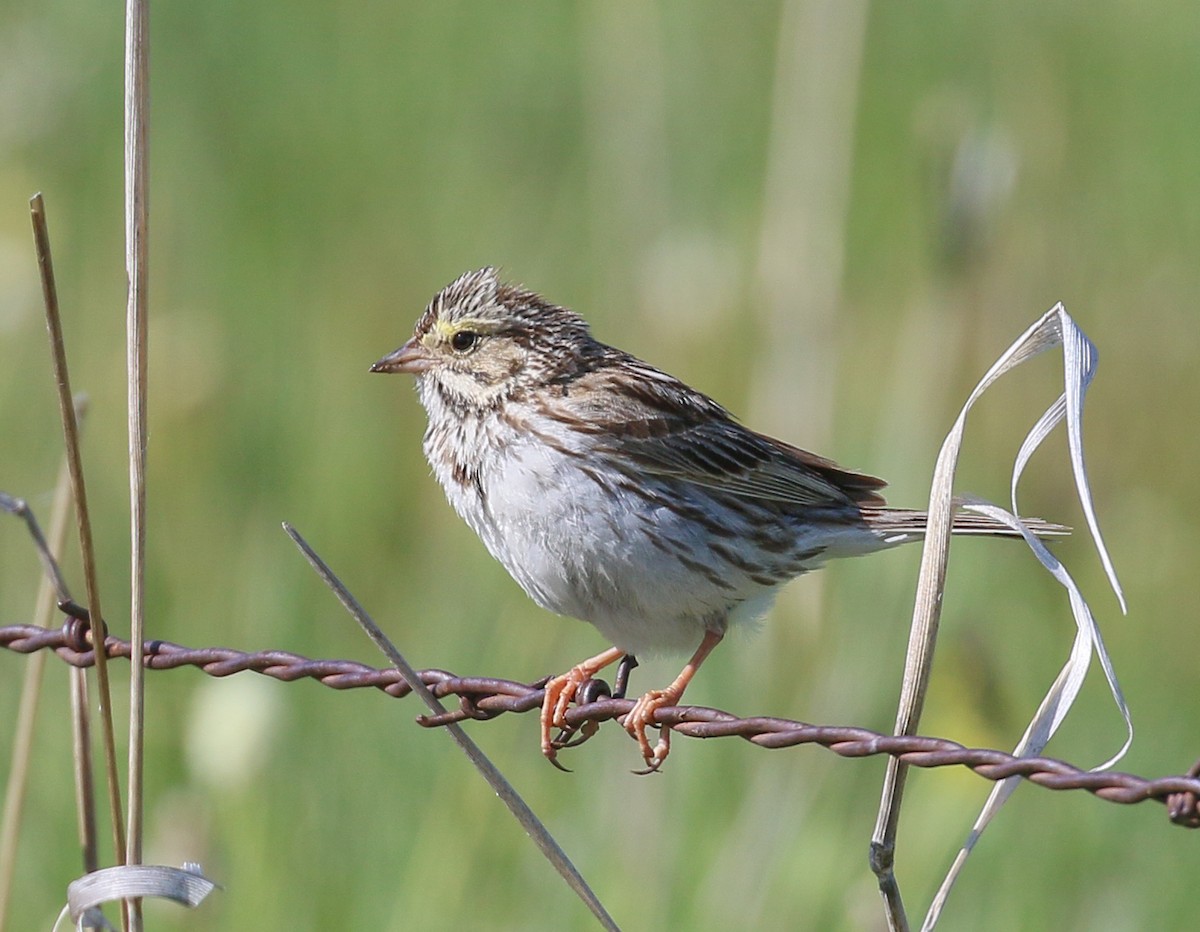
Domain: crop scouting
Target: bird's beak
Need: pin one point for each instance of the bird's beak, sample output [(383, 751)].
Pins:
[(412, 358)]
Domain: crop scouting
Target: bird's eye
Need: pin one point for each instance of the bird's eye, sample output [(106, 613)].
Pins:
[(463, 340)]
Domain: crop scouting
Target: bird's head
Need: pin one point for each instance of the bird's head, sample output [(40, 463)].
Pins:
[(482, 341)]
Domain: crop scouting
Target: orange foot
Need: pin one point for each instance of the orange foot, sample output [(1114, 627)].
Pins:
[(641, 717), (560, 693)]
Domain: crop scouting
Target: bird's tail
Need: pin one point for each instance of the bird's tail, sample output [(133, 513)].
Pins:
[(899, 525)]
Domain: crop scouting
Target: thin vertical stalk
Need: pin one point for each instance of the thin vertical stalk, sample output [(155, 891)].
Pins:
[(85, 782), (87, 550), (136, 221)]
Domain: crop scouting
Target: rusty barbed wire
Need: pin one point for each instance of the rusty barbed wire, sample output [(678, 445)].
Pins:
[(482, 698)]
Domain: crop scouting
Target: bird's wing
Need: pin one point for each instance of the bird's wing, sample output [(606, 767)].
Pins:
[(736, 460), (661, 427)]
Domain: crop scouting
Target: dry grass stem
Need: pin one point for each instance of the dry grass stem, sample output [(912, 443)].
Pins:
[(136, 228), (508, 795), (79, 491)]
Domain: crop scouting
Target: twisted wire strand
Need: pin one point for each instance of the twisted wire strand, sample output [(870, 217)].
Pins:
[(483, 698)]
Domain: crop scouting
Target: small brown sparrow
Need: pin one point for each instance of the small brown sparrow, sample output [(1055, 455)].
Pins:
[(614, 493)]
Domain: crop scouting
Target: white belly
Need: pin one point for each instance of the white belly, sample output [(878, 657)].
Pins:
[(584, 548)]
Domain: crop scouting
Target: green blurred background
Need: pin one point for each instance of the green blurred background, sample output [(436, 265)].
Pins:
[(830, 216)]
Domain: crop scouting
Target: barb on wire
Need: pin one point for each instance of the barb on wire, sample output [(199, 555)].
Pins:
[(485, 698), (19, 509)]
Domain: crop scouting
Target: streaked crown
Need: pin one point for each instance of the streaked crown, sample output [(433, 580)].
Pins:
[(486, 339)]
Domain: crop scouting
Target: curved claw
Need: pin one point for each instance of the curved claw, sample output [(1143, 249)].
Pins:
[(565, 739)]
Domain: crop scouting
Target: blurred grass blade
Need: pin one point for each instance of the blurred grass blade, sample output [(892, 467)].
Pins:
[(27, 709)]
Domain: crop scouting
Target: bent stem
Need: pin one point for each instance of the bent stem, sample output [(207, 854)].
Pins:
[(516, 805)]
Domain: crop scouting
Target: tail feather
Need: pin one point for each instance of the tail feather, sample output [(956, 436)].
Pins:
[(909, 524)]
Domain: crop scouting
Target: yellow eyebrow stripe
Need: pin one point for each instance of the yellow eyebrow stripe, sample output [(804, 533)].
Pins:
[(443, 330)]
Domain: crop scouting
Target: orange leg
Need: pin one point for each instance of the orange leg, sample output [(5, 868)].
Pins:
[(641, 716), (561, 690)]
